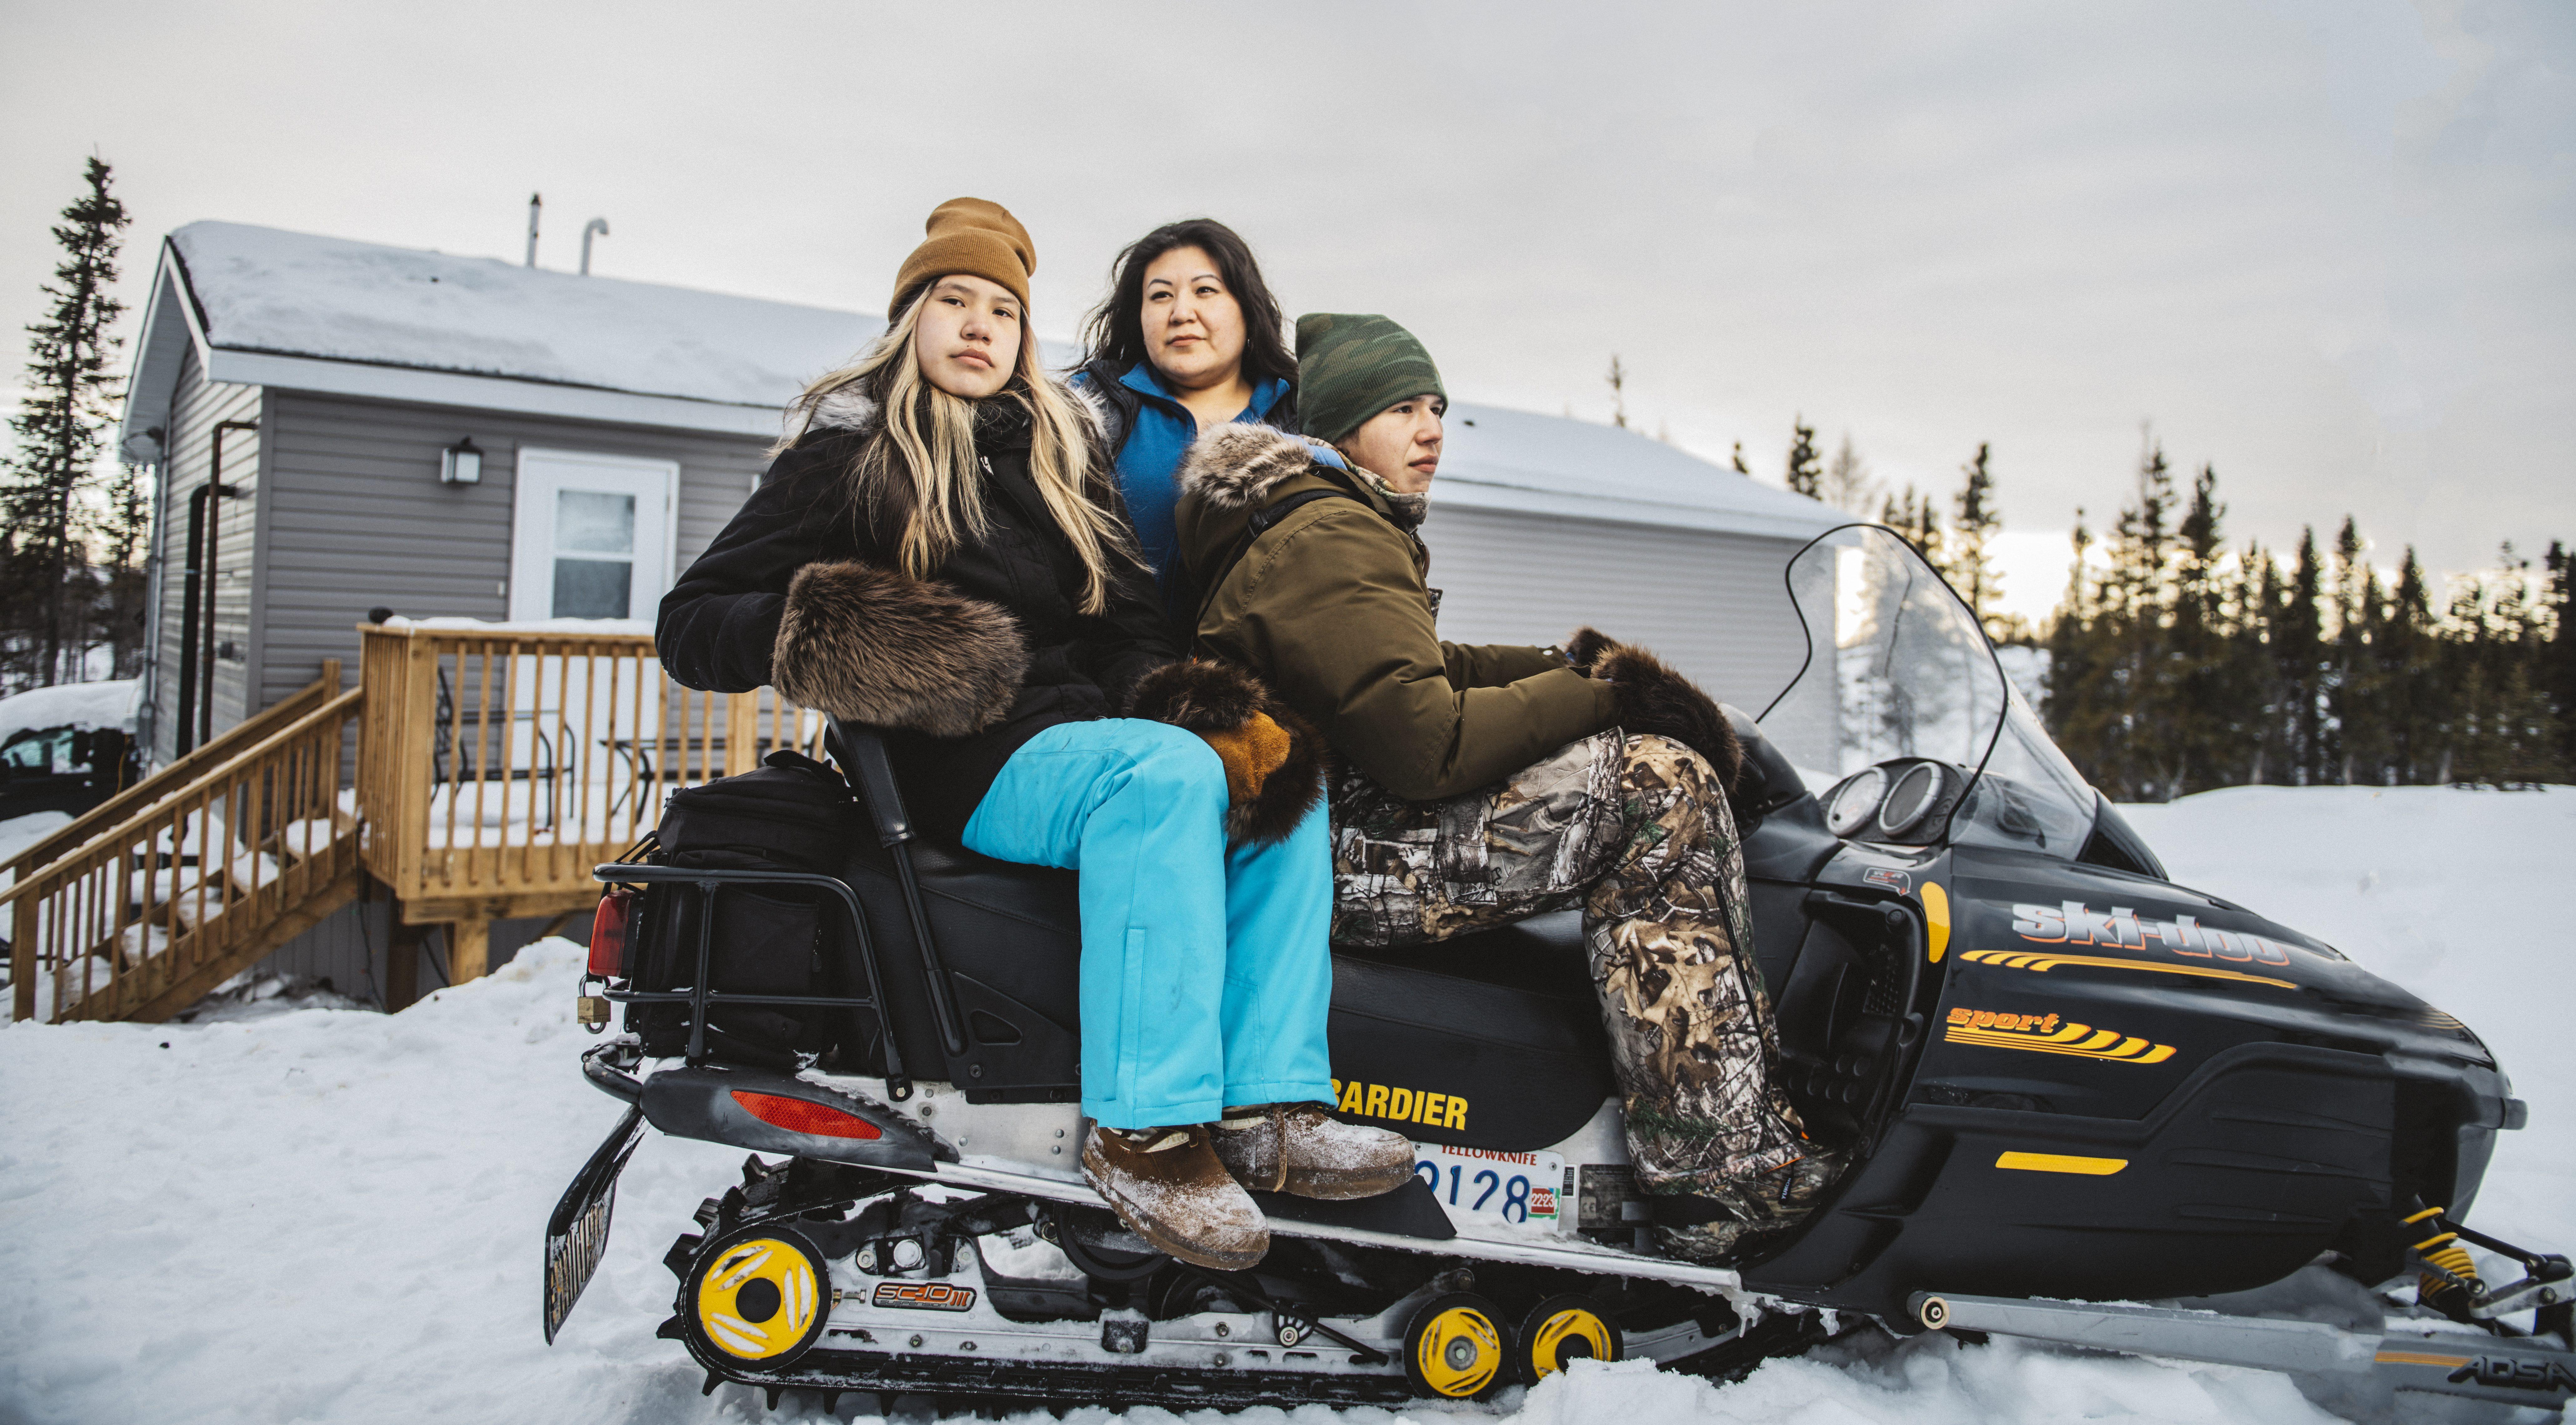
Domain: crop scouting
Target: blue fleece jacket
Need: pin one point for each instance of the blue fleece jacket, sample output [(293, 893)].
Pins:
[(1163, 431)]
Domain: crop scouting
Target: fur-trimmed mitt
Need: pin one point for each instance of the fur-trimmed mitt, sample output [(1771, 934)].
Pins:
[(1274, 764), (1654, 697), (872, 646)]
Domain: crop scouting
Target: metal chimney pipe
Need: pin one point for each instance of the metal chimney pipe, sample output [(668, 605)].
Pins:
[(536, 204), (595, 225)]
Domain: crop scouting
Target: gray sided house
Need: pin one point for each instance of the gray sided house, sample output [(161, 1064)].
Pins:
[(607, 430)]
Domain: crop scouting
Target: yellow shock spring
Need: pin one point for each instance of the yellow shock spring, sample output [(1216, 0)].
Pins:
[(2443, 1250)]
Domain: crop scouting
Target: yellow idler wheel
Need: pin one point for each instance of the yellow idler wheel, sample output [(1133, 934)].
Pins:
[(756, 1297), (1563, 1329), (1454, 1349)]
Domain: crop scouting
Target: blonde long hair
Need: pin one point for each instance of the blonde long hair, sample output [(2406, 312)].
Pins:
[(919, 464)]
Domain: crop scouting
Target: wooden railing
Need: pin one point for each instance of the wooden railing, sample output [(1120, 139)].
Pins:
[(498, 765), (233, 860)]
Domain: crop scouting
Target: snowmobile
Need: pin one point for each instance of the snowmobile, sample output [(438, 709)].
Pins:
[(2067, 1085)]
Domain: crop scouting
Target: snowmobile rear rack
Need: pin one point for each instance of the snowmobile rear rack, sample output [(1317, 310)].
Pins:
[(698, 996)]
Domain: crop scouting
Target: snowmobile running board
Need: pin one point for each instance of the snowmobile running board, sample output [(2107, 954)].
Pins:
[(2435, 1358), (1603, 1261)]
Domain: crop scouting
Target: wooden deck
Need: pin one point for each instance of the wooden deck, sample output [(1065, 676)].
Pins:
[(496, 768)]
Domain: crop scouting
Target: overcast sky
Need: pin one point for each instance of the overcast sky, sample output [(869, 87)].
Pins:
[(2329, 247)]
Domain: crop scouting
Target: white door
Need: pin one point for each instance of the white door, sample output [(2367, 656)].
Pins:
[(592, 537)]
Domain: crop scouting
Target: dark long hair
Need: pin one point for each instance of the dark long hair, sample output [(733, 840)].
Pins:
[(1116, 331)]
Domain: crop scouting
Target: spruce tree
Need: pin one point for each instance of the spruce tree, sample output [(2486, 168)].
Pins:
[(64, 416), (2080, 700), (1918, 518), (1975, 521), (2356, 729), (2207, 742), (2260, 603), (123, 529), (2407, 659), (2558, 652), (2298, 647), (1848, 484), (1806, 468)]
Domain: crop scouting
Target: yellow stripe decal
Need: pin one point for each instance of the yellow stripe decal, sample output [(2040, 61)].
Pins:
[(1936, 920), (2061, 1163), (2081, 1041), (2043, 963), (2418, 1358)]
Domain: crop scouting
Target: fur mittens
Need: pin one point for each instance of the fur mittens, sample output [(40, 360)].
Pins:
[(1654, 697), (869, 645), (1274, 765)]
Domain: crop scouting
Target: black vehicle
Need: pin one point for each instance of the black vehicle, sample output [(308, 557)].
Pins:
[(69, 767), (2067, 1080)]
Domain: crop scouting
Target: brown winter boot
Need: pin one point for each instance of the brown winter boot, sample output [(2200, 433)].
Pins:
[(1299, 1148), (1168, 1187)]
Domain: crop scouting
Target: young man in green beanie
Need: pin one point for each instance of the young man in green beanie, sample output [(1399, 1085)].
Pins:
[(1484, 785)]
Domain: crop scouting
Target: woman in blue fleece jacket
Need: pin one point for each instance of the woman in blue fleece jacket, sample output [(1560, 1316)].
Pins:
[(1189, 339)]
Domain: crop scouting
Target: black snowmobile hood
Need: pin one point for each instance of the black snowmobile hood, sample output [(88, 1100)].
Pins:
[(2180, 947)]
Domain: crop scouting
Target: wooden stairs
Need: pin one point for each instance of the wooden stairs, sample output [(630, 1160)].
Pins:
[(194, 874)]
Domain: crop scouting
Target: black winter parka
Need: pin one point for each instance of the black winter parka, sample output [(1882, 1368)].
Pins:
[(719, 626)]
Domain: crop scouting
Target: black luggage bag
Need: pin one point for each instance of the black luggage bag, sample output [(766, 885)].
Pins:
[(790, 814)]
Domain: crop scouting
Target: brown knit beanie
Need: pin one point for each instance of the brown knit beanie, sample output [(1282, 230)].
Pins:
[(973, 236)]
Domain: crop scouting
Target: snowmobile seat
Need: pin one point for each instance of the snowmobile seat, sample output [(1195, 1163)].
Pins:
[(1488, 1041), (1494, 1039)]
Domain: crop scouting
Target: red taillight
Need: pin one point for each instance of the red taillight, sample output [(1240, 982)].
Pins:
[(798, 1115), (608, 931)]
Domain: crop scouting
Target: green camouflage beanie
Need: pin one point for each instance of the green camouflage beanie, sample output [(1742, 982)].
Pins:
[(1350, 367)]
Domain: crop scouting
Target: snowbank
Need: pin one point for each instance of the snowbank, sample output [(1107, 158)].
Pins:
[(337, 1216), (108, 704), (20, 832)]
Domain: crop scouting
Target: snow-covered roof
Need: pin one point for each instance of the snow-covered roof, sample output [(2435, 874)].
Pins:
[(275, 308), (84, 705), (267, 307), (1520, 460)]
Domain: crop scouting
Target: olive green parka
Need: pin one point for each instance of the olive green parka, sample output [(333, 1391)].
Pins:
[(1330, 606)]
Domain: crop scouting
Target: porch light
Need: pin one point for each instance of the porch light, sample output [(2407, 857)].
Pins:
[(460, 464)]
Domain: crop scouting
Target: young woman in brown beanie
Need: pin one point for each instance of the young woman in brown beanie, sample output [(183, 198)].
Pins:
[(939, 552)]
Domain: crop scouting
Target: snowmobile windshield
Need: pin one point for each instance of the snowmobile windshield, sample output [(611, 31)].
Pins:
[(1899, 672)]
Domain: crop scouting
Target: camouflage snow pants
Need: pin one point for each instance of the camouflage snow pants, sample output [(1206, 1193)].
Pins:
[(1637, 832)]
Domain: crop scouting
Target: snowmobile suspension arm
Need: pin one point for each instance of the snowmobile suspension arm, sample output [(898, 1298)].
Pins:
[(1242, 1284)]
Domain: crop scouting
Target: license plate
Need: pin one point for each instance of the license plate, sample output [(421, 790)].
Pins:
[(1476, 1184), (577, 1234)]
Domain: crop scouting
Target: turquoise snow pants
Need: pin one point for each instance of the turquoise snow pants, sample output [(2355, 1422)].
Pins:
[(1206, 968)]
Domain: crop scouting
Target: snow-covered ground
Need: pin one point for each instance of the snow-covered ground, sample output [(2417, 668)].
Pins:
[(20, 832), (336, 1216)]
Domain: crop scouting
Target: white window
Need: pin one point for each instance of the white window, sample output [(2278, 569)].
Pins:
[(592, 536)]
